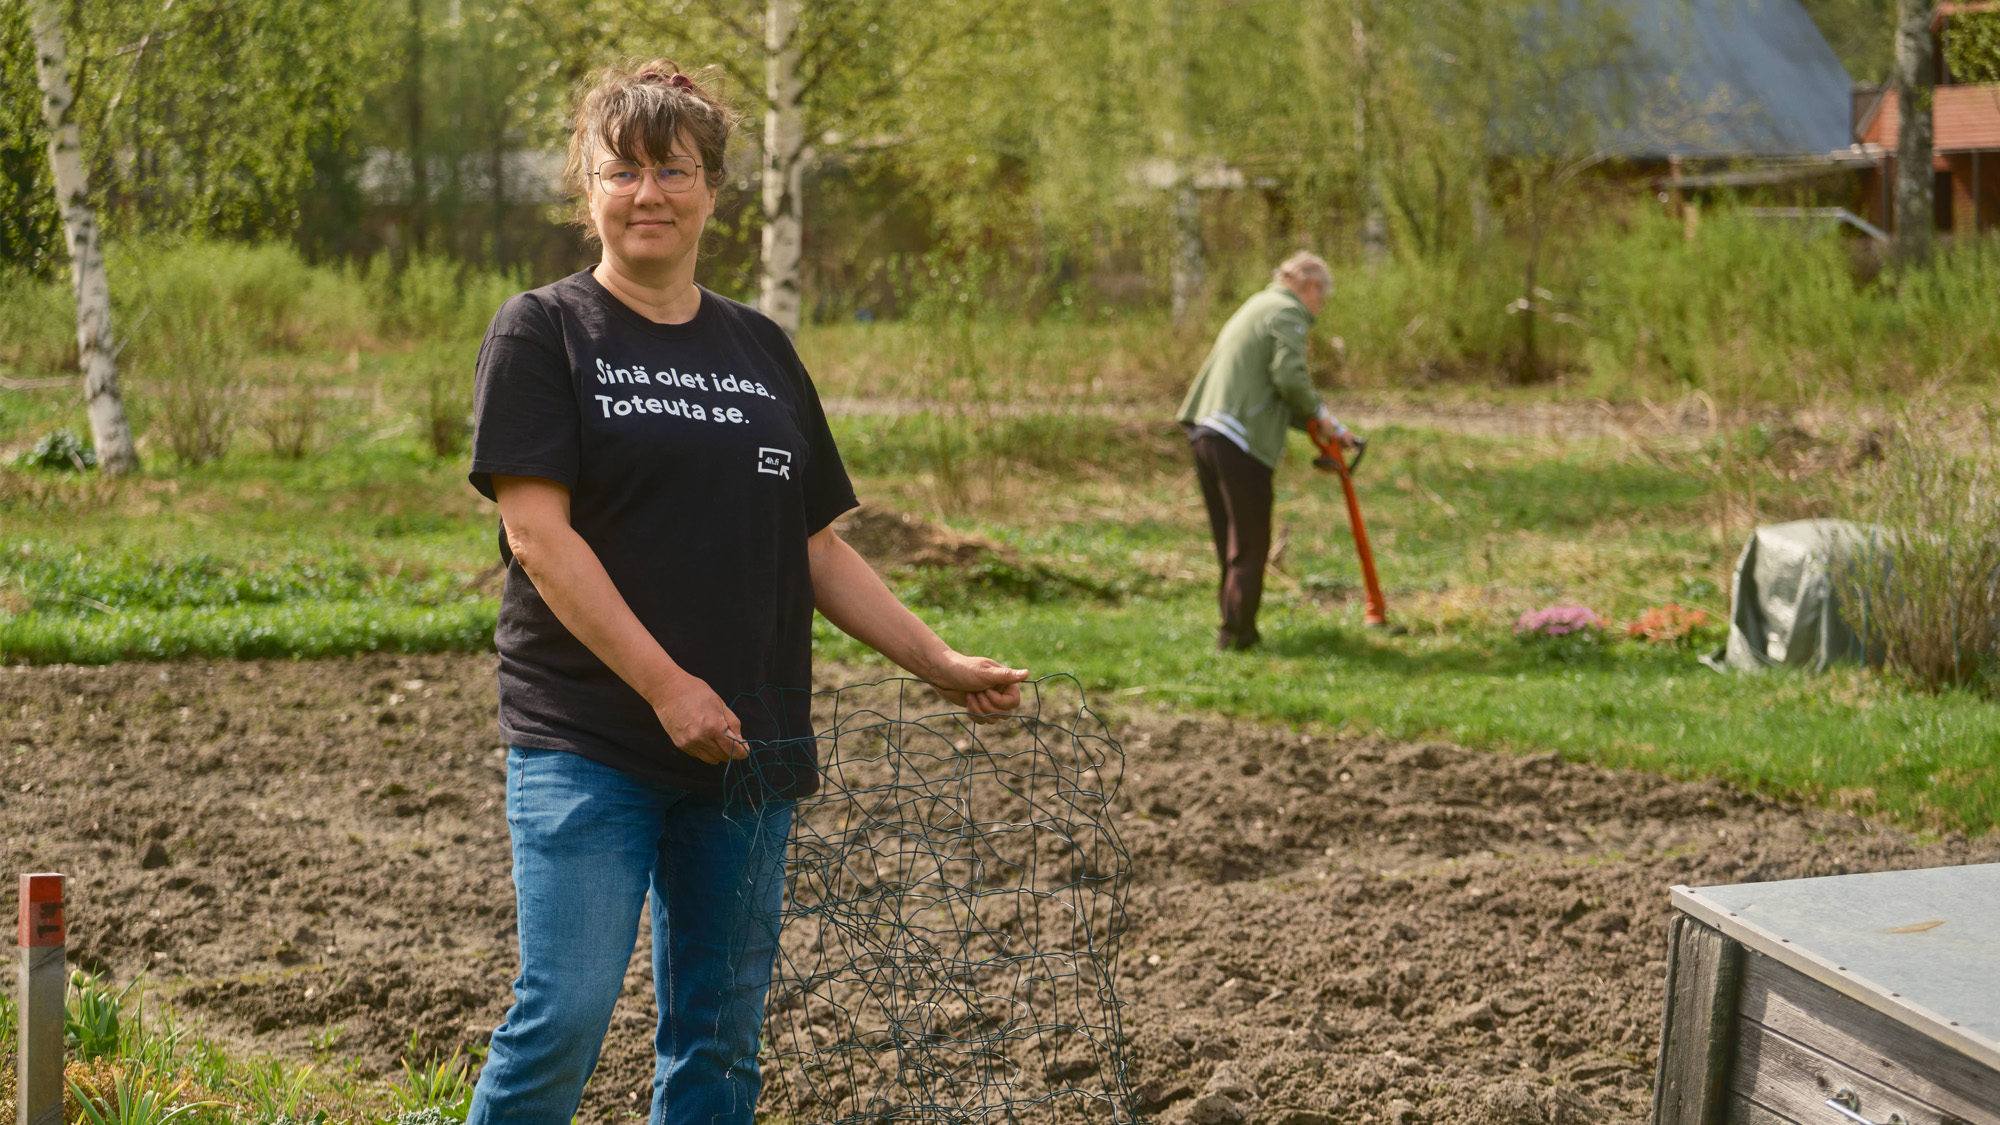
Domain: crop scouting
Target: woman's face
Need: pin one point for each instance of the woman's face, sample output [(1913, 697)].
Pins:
[(652, 227)]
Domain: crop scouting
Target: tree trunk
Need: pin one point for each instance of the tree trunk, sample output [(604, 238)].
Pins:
[(413, 105), (96, 354), (1374, 221), (1188, 268), (1916, 75), (785, 158)]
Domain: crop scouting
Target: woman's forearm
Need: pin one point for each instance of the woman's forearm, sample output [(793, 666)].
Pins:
[(572, 580), (851, 596)]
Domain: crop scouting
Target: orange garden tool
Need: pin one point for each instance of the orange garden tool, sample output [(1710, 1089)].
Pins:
[(1331, 459)]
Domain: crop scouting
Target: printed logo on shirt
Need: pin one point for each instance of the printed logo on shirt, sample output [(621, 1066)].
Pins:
[(777, 462)]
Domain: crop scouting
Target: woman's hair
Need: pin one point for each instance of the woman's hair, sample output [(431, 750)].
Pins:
[(1304, 266), (639, 111)]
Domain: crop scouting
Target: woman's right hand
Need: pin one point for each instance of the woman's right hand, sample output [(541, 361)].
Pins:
[(699, 722)]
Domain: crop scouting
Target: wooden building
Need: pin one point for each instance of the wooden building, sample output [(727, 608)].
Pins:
[(1965, 130)]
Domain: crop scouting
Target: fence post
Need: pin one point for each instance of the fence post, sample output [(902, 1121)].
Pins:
[(38, 1087)]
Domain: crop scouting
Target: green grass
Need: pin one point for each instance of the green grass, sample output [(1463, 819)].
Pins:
[(130, 1060), (1053, 439), (1847, 738)]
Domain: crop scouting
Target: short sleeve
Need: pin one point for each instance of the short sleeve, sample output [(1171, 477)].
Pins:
[(525, 421), (828, 491)]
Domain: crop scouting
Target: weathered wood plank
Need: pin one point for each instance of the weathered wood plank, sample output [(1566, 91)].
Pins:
[(1914, 945), (1704, 970), (1796, 1081), (1894, 1054), (1743, 1111)]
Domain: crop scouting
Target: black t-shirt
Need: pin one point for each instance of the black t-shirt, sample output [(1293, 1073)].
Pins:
[(698, 461)]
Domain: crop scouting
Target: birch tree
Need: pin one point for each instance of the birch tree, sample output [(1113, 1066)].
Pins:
[(95, 351), (785, 159), (835, 77)]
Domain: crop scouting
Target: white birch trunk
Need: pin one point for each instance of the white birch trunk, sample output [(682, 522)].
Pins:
[(1915, 78), (1189, 266), (785, 158), (96, 354)]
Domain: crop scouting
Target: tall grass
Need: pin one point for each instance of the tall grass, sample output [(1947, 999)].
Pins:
[(1926, 591), (1749, 310)]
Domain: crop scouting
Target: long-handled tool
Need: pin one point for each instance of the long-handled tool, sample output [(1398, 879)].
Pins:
[(1332, 459)]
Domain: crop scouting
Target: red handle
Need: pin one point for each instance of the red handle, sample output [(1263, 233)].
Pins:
[(1331, 457)]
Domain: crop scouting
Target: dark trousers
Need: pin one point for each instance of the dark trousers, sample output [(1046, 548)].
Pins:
[(1237, 489)]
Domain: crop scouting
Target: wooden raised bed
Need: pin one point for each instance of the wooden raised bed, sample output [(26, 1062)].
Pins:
[(1836, 1001)]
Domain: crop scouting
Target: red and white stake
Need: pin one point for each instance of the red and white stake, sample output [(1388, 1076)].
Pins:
[(39, 1083)]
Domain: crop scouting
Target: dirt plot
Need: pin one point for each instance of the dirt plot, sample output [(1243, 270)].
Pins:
[(1321, 930)]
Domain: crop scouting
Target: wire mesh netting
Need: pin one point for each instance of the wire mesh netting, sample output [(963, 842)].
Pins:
[(954, 902)]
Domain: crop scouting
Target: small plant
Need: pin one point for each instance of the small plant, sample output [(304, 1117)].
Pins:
[(442, 398), (291, 414), (92, 1016), (443, 1084), (137, 1097), (275, 1093), (1668, 624), (58, 449), (1557, 621), (327, 1040), (1561, 632), (192, 368)]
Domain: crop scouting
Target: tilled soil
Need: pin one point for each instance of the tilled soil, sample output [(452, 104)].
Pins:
[(1343, 929)]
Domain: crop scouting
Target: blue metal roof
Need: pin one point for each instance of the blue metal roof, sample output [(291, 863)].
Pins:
[(1731, 78)]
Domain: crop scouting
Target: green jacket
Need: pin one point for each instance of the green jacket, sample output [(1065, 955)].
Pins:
[(1254, 382)]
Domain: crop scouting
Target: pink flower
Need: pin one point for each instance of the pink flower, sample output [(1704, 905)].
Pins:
[(1557, 621)]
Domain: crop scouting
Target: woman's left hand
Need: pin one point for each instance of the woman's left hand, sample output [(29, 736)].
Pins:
[(987, 689)]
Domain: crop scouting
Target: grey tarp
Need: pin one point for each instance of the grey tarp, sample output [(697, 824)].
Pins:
[(1784, 603)]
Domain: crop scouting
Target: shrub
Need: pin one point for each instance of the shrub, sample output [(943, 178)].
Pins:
[(439, 385), (291, 412), (1668, 624), (197, 398), (58, 449), (1925, 594)]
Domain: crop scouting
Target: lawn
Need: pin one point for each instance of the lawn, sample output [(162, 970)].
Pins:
[(376, 542)]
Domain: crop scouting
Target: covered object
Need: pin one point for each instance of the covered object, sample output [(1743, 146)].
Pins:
[(1784, 602)]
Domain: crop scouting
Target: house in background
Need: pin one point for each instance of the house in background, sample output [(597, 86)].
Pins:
[(1965, 124)]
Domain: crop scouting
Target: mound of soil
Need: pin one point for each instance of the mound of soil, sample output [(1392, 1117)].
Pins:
[(1347, 930), (888, 539)]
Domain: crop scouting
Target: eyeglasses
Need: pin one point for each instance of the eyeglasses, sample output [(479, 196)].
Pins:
[(623, 177)]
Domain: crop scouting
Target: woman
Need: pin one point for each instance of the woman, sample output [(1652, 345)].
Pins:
[(667, 485)]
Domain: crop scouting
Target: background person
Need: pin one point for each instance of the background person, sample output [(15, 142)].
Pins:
[(1252, 386), (667, 484)]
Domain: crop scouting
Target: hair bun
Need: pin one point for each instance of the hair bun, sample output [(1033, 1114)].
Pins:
[(682, 81)]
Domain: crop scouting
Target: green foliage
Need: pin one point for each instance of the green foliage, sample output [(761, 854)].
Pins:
[(91, 1016), (275, 1092), (137, 1097), (1925, 589), (201, 116), (1972, 46), (305, 629), (1861, 32), (30, 225), (440, 1086), (51, 577), (61, 450)]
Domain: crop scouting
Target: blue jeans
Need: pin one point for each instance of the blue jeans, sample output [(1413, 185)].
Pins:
[(589, 843)]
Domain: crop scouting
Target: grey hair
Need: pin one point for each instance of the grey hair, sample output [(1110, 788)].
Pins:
[(1305, 266)]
